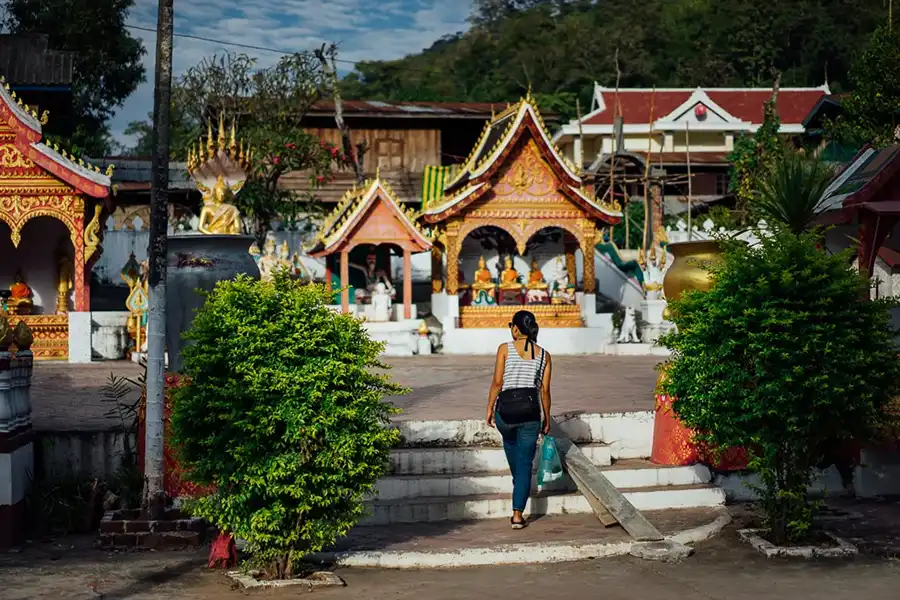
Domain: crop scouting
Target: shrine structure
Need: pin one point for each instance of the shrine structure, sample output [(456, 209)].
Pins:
[(519, 202), (363, 232), (53, 206)]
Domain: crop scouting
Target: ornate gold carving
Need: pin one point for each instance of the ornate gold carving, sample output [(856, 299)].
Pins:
[(92, 234), (15, 211), (51, 336), (528, 177), (12, 158), (497, 317)]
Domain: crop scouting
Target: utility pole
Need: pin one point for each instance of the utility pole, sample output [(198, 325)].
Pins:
[(154, 494)]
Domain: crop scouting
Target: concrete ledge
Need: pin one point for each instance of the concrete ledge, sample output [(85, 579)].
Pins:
[(319, 579), (507, 554), (754, 537)]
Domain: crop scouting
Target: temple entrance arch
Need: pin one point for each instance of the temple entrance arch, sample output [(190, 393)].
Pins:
[(44, 251)]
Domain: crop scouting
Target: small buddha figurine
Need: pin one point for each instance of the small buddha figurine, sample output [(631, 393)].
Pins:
[(64, 285), (254, 251), (21, 296), (536, 278), (483, 279), (284, 258), (268, 262), (217, 216), (509, 278)]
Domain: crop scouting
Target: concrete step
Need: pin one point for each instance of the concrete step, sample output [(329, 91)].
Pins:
[(468, 460), (487, 506), (629, 435), (624, 474)]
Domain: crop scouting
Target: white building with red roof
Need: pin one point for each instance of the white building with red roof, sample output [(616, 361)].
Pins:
[(669, 123)]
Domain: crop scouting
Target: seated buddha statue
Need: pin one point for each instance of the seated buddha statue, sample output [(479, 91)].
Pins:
[(509, 278), (21, 297), (483, 279), (217, 216), (536, 278)]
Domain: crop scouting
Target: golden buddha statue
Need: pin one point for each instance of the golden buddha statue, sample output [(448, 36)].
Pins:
[(64, 284), (536, 278), (21, 297), (483, 279), (217, 216), (509, 278)]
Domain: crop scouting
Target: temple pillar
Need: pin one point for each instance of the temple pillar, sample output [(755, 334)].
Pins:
[(407, 284), (587, 250), (570, 245), (345, 281), (437, 269), (453, 243), (81, 301)]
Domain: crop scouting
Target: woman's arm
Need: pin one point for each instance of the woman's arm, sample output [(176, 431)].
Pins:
[(545, 395), (496, 383)]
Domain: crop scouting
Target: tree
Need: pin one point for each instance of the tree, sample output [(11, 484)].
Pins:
[(753, 156), (284, 416), (789, 194), (872, 112), (784, 357), (268, 105), (154, 494), (107, 60)]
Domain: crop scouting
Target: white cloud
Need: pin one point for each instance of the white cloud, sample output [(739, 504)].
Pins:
[(365, 29)]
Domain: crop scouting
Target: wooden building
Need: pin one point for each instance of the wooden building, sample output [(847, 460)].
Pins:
[(401, 139)]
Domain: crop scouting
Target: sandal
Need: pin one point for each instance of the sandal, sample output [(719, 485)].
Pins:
[(517, 524)]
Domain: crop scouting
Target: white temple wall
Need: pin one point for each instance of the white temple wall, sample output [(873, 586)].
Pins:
[(36, 257)]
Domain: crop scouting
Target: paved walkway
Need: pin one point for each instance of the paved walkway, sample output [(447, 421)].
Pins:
[(70, 397), (721, 569)]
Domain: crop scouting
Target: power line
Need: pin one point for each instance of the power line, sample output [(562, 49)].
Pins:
[(260, 48)]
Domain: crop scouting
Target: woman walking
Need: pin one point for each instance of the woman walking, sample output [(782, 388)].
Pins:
[(519, 398)]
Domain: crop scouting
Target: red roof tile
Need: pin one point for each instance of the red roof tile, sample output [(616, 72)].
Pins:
[(747, 104)]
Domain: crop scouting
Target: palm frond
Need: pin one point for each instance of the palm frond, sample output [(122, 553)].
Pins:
[(789, 195)]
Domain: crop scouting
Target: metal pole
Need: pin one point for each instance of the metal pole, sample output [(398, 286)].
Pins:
[(154, 494)]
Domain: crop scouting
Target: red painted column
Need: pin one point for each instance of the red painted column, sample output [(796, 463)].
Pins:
[(407, 284), (78, 275)]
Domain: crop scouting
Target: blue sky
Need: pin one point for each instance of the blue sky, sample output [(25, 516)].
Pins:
[(365, 29)]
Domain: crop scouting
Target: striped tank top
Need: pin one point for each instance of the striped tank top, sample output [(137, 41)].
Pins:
[(522, 373)]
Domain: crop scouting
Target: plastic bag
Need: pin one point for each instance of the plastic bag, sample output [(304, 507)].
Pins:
[(550, 466)]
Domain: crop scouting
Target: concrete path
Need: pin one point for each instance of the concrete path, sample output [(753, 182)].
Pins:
[(69, 397), (721, 569)]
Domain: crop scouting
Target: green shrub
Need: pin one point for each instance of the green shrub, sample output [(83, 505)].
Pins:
[(284, 416), (783, 356)]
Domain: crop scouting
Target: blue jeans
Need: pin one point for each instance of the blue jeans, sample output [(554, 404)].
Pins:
[(520, 445)]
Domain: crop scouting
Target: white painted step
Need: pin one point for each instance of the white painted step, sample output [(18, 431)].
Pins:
[(463, 508), (468, 460), (630, 474), (629, 435)]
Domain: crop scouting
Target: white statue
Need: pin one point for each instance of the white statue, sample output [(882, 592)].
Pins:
[(628, 333), (381, 303), (373, 275), (268, 262), (562, 293)]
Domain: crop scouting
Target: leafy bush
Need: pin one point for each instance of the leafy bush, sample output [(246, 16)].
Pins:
[(284, 416), (783, 356), (789, 193)]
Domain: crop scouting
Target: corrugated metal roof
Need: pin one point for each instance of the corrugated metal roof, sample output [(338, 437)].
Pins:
[(139, 171), (380, 108), (28, 60)]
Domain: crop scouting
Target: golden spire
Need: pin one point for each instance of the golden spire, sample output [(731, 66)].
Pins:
[(210, 145), (221, 131), (232, 143)]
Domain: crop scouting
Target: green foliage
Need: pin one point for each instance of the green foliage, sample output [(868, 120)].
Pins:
[(284, 415), (108, 61), (635, 211), (872, 112), (751, 159), (563, 46), (722, 218), (783, 356), (789, 192)]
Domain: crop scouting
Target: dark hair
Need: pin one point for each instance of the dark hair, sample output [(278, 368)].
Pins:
[(527, 325)]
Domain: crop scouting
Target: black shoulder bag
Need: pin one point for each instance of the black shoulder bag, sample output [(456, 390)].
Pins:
[(521, 405)]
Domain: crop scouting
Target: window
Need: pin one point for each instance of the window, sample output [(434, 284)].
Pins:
[(389, 154)]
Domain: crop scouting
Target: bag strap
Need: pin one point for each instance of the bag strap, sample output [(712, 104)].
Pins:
[(540, 369)]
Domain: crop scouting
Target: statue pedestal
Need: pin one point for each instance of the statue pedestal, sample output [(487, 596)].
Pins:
[(654, 325), (424, 345)]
